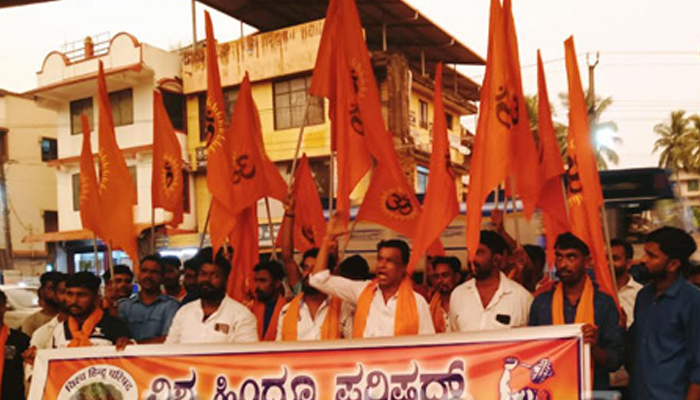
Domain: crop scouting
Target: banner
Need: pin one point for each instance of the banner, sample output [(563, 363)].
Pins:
[(526, 363)]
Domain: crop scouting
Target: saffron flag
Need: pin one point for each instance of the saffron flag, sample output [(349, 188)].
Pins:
[(523, 150), (116, 189), (219, 167), (490, 160), (90, 213), (440, 205), (343, 74), (244, 239), (253, 175), (585, 196), (309, 223), (551, 202), (167, 181)]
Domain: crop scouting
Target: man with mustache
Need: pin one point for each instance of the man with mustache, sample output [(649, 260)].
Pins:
[(150, 313), (49, 303), (445, 273), (214, 317), (576, 299), (87, 324), (117, 288), (666, 328), (386, 306), (269, 298), (490, 300)]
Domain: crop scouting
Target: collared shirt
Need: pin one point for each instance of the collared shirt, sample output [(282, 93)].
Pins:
[(309, 328), (34, 321), (148, 321), (381, 315), (232, 322), (607, 320), (666, 335), (508, 308), (41, 339), (106, 333), (627, 295)]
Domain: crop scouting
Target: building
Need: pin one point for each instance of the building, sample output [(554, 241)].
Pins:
[(67, 85), (405, 48), (27, 183)]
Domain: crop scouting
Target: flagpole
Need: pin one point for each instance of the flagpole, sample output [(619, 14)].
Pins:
[(206, 225), (298, 148), (153, 230), (110, 263), (515, 210), (496, 196), (606, 231), (270, 227), (94, 248), (341, 255), (331, 186), (566, 197)]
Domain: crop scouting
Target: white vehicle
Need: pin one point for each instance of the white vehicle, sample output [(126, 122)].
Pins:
[(22, 301)]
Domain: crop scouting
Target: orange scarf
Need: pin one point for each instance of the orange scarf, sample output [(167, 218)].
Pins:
[(331, 325), (4, 333), (81, 336), (406, 318), (437, 313), (259, 311), (584, 311)]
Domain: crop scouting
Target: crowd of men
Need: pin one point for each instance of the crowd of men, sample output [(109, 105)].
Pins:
[(652, 347)]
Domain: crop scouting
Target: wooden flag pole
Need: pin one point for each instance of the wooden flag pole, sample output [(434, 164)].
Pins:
[(110, 263), (341, 255), (331, 186), (206, 226), (97, 257), (295, 161), (515, 211), (271, 228), (496, 196), (153, 230)]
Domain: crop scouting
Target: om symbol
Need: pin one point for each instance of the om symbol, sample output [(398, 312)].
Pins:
[(573, 175), (356, 119), (242, 170), (308, 233), (399, 202), (210, 125), (169, 175), (507, 115)]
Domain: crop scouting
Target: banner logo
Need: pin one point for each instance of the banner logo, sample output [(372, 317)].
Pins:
[(100, 382)]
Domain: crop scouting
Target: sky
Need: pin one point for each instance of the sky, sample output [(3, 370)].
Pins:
[(649, 51)]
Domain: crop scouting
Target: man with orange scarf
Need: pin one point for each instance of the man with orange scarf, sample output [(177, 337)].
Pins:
[(576, 299), (87, 325), (445, 277), (269, 298), (12, 344), (386, 306)]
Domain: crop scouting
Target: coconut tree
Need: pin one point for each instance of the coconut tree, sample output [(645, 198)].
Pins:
[(677, 141)]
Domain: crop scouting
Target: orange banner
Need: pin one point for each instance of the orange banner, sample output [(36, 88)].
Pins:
[(532, 363)]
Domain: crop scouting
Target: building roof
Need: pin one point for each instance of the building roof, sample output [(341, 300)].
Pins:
[(407, 30)]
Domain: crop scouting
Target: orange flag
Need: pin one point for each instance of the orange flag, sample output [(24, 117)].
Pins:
[(343, 74), (489, 163), (585, 196), (253, 175), (89, 191), (309, 224), (166, 182), (389, 200), (244, 239), (440, 205), (117, 191), (523, 149), (556, 219), (219, 167)]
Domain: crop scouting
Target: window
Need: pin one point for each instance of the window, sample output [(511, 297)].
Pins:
[(3, 145), (49, 149), (422, 177), (693, 185), (78, 108), (176, 107), (132, 172), (185, 191), (76, 192), (122, 107), (449, 118), (230, 96), (423, 114), (290, 97), (50, 221)]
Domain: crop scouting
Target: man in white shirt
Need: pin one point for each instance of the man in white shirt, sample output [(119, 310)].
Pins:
[(489, 300), (627, 288), (215, 317), (380, 318)]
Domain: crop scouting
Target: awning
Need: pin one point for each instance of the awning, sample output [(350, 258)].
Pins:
[(62, 236)]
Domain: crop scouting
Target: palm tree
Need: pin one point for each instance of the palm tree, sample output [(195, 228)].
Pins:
[(604, 153), (677, 141)]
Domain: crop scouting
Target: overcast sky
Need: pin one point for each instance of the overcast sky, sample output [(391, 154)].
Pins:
[(649, 49)]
